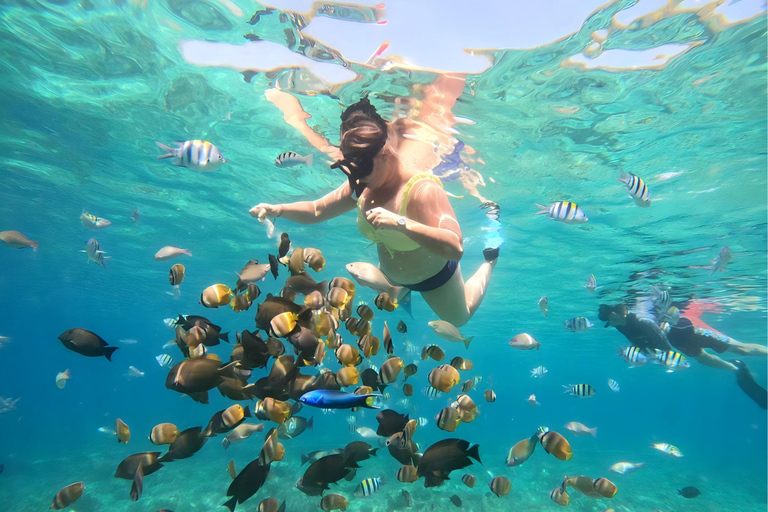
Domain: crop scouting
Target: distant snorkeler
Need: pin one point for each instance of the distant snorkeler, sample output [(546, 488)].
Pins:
[(404, 211), (655, 322)]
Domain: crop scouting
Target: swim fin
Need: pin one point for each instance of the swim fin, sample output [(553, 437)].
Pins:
[(746, 381)]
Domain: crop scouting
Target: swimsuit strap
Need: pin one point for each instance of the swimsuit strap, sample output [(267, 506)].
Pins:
[(409, 185)]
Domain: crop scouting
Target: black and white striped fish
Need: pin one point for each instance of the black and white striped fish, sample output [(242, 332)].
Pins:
[(578, 324), (661, 297), (580, 390), (591, 285), (368, 487), (613, 385), (289, 159), (165, 360), (198, 155), (636, 188), (563, 211), (432, 393), (633, 355), (671, 359)]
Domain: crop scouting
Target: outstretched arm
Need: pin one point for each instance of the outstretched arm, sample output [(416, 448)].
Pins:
[(430, 221), (310, 212)]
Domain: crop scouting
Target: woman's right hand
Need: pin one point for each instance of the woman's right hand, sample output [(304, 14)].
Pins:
[(262, 210)]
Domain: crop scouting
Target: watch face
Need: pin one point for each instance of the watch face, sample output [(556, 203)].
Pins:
[(401, 221)]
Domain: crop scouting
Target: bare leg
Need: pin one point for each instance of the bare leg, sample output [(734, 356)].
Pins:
[(713, 361), (747, 349), (446, 301)]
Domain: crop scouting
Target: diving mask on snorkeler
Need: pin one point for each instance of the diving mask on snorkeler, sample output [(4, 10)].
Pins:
[(358, 165)]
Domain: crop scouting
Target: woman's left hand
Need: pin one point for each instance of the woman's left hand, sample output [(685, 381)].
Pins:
[(381, 218)]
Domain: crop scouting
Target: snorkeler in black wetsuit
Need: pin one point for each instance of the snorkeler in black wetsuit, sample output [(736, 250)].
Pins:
[(691, 341), (640, 332)]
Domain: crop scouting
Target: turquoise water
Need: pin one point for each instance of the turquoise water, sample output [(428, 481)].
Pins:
[(90, 86)]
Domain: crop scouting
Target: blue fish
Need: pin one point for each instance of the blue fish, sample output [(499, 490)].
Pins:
[(330, 399)]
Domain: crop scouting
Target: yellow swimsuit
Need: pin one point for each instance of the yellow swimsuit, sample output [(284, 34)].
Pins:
[(392, 240)]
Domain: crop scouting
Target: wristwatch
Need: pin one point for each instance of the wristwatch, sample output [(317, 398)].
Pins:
[(401, 222)]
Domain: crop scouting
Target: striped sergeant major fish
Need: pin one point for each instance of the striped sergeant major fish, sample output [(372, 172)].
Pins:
[(671, 359), (580, 390), (289, 159), (432, 393), (198, 155), (563, 211), (164, 360), (591, 285), (636, 188), (538, 372), (578, 324), (633, 355), (614, 385), (94, 253), (368, 487), (661, 297)]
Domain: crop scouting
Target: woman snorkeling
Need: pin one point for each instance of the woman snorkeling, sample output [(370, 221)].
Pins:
[(404, 211)]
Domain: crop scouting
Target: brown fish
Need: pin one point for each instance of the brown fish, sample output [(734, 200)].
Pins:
[(432, 351), (284, 246), (150, 462), (314, 258), (390, 370), (67, 495), (231, 469), (469, 480), (122, 431), (443, 457), (18, 241), (407, 474), (448, 419), (86, 343), (164, 433), (246, 483), (137, 487), (384, 302), (500, 485), (250, 273), (443, 378), (347, 376), (197, 375), (521, 451), (272, 450), (216, 295), (270, 504), (365, 312), (176, 275), (490, 395), (186, 444), (556, 445), (333, 502)]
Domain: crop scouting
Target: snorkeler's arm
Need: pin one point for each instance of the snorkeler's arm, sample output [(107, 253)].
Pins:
[(310, 212), (295, 116), (430, 221)]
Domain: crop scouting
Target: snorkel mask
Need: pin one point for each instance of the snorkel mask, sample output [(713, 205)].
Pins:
[(358, 164)]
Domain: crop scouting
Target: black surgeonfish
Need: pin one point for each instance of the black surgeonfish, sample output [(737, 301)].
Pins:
[(390, 422), (246, 483), (236, 389), (273, 306), (196, 375), (184, 446), (138, 484), (285, 245), (212, 331), (150, 462), (749, 385), (356, 451), (443, 457), (325, 470), (86, 343), (252, 351)]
